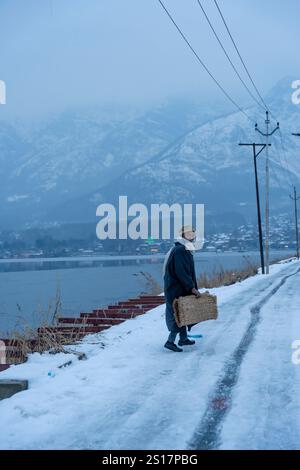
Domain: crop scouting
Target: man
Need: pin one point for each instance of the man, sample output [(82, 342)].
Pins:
[(179, 280)]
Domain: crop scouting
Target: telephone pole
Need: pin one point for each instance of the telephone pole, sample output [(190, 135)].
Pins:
[(267, 134), (295, 199), (255, 155)]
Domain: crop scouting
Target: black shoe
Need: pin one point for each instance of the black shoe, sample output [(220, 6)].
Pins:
[(186, 342), (191, 326), (172, 347)]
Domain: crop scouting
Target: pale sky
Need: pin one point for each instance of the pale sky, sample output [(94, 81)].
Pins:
[(57, 54)]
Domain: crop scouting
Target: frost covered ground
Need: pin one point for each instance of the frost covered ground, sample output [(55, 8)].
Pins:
[(237, 388)]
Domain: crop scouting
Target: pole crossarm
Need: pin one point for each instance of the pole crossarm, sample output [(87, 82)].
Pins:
[(270, 133), (263, 146), (294, 199)]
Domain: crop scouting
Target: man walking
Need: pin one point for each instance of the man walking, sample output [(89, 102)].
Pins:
[(179, 280)]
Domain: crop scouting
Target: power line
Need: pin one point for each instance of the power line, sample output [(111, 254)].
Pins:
[(275, 172), (274, 166), (240, 56), (285, 173), (285, 155), (228, 57), (202, 63), (279, 162), (276, 163), (283, 165)]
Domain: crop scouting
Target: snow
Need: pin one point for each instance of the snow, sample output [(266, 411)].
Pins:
[(131, 393), (272, 419)]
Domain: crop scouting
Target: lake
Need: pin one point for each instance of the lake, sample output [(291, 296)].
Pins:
[(29, 287)]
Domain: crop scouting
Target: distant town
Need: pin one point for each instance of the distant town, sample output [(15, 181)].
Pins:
[(33, 244)]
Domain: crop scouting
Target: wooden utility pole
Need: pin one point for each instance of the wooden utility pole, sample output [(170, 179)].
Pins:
[(255, 155), (267, 134), (295, 199)]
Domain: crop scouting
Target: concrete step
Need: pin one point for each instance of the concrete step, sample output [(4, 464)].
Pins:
[(117, 308), (158, 297), (138, 305), (90, 321), (8, 388), (114, 315), (76, 330), (148, 300)]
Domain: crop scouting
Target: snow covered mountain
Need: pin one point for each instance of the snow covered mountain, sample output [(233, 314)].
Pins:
[(207, 166), (80, 151), (177, 152)]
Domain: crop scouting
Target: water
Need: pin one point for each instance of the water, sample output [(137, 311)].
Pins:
[(28, 288)]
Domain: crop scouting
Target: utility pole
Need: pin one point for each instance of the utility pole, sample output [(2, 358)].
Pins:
[(295, 199), (267, 134), (255, 155)]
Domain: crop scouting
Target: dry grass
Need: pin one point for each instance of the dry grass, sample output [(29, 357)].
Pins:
[(25, 339), (30, 340), (226, 277), (152, 287), (219, 277)]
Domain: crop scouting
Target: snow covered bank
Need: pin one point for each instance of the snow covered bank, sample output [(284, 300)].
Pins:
[(131, 393)]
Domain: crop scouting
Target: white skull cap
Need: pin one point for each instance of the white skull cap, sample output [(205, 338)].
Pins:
[(186, 228)]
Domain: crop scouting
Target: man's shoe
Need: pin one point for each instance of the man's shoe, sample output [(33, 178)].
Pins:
[(172, 347), (189, 327), (186, 342)]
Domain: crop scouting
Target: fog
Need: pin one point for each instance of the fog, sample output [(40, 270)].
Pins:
[(57, 54)]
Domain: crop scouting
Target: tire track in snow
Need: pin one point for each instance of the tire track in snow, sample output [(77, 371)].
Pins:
[(207, 435), (143, 421), (274, 376), (152, 400), (152, 422)]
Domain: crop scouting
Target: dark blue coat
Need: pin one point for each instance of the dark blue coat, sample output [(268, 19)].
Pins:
[(180, 276)]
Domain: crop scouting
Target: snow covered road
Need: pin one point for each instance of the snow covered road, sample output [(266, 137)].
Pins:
[(236, 388), (266, 401)]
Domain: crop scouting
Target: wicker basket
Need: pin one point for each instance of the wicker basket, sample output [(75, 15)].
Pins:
[(191, 309)]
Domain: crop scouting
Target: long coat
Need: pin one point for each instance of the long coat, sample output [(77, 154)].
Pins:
[(180, 276)]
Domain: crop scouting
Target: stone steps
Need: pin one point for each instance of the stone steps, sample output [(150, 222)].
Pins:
[(72, 329)]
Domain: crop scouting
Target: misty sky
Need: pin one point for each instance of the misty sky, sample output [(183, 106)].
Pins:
[(57, 54)]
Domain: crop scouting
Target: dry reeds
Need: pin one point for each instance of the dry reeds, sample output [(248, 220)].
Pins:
[(25, 339), (226, 277), (152, 287)]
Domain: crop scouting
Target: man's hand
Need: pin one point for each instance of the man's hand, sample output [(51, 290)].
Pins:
[(196, 292)]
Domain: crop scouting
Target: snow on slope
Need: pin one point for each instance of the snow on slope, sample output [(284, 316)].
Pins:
[(266, 403), (208, 165), (131, 393)]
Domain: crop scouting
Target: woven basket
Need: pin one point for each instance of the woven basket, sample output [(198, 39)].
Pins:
[(191, 309)]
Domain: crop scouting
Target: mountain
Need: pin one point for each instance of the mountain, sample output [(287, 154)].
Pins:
[(79, 151), (206, 165)]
